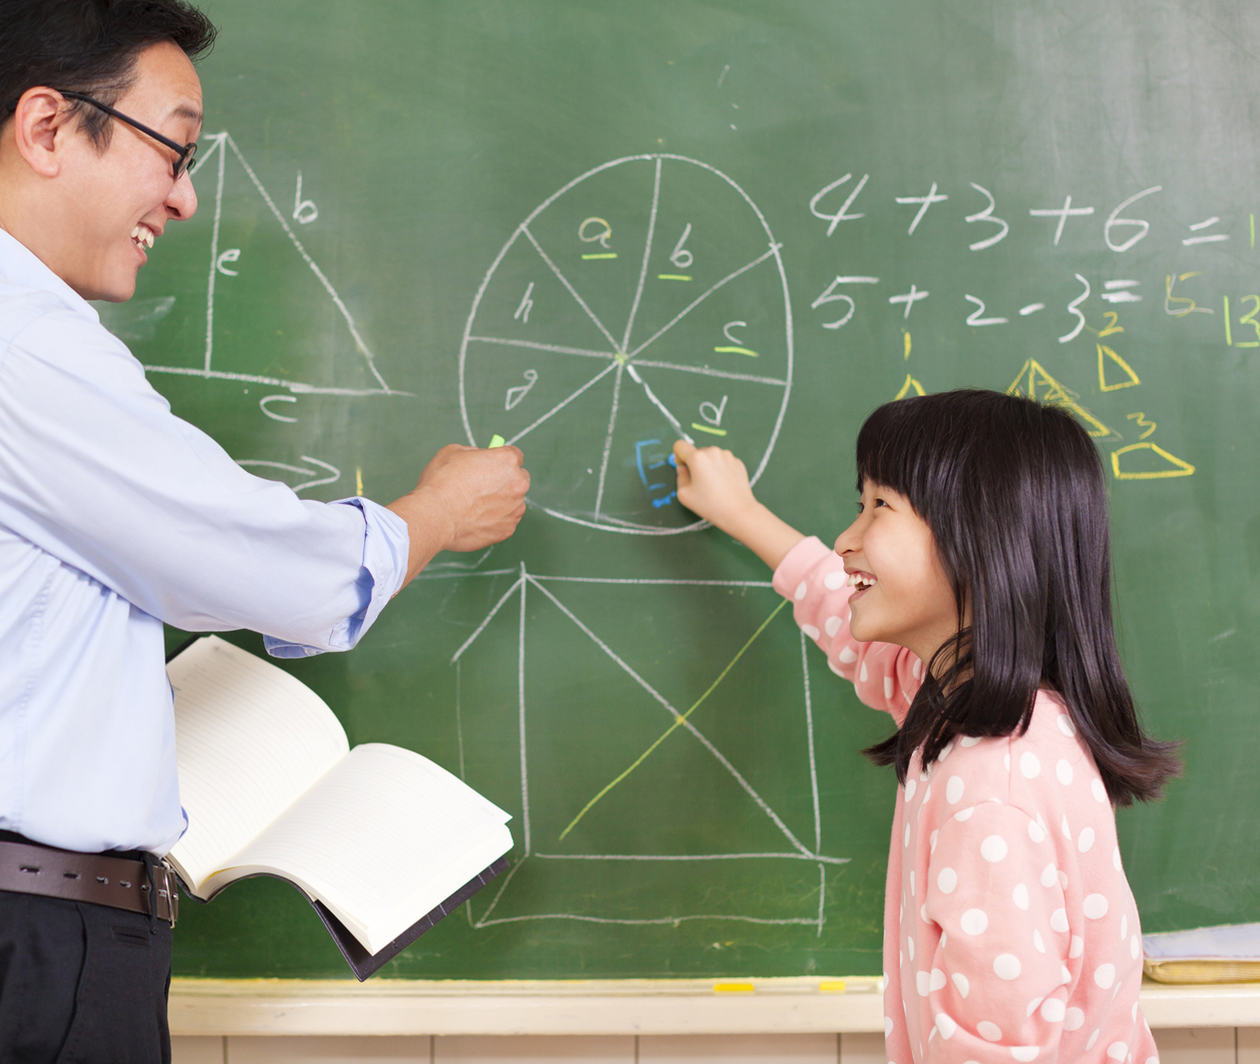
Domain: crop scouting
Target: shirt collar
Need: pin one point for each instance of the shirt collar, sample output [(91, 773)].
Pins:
[(21, 267)]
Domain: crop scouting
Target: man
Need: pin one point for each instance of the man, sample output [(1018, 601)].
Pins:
[(115, 517)]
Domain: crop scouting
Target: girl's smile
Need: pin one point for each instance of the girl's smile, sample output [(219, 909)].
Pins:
[(901, 592)]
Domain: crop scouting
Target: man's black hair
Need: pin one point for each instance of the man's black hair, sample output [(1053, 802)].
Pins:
[(89, 46)]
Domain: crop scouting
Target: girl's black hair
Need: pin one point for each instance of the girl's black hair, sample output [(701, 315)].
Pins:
[(1015, 496)]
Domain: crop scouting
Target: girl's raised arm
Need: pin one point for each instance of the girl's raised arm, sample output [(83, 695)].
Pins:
[(713, 483)]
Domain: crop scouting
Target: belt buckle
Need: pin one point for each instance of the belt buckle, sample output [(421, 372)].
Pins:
[(166, 886)]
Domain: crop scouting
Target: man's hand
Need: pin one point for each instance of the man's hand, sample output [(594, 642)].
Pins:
[(467, 498)]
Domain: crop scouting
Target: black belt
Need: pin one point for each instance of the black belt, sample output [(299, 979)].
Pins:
[(119, 882)]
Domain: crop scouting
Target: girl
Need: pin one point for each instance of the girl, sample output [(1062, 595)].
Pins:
[(970, 599)]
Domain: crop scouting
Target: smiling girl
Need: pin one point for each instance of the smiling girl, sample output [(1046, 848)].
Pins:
[(971, 600)]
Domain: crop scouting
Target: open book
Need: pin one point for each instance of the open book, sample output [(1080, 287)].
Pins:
[(382, 841)]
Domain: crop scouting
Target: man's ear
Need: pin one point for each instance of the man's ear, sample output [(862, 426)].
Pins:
[(41, 126)]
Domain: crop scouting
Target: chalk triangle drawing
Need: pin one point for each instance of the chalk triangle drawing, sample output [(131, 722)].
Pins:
[(1034, 382), (1148, 461), (910, 387), (1114, 372), (271, 315)]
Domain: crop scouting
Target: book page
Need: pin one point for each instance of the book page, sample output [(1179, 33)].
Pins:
[(249, 739), (383, 838)]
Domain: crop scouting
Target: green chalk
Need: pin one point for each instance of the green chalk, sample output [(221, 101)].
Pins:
[(497, 441)]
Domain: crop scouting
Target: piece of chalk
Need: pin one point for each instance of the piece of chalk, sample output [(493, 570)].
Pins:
[(497, 441)]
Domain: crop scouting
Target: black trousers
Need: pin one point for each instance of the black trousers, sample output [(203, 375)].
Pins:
[(82, 983)]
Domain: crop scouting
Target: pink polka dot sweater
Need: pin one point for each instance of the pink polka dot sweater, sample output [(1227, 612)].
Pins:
[(1010, 931)]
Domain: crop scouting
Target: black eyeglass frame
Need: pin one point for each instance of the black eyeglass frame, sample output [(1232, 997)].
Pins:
[(187, 153)]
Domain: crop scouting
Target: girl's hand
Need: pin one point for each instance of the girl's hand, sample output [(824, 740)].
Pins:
[(713, 483)]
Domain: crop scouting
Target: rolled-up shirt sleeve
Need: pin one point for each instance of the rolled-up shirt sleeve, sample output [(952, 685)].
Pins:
[(99, 472), (385, 549)]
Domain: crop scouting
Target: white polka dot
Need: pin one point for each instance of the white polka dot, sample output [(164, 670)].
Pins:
[(1036, 832), (1076, 947), (1092, 1039), (993, 849), (1033, 1006), (946, 750), (1135, 947), (963, 815), (917, 668), (1059, 921), (968, 740), (910, 946), (1095, 906), (946, 1026), (810, 631), (912, 883), (835, 580), (937, 981), (1085, 841), (912, 788), (961, 984), (1029, 765), (989, 1031), (1117, 1050), (863, 675), (932, 841), (1053, 1010), (1006, 966), (1049, 876), (848, 655), (1124, 927), (801, 590), (1039, 943), (1098, 790), (888, 687), (947, 880), (1067, 831), (1074, 1019), (974, 921), (888, 1026), (1063, 771), (1105, 975), (832, 625), (954, 790), (1065, 725), (1024, 1053), (921, 980), (1020, 897)]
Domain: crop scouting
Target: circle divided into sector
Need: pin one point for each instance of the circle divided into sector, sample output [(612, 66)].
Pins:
[(644, 301)]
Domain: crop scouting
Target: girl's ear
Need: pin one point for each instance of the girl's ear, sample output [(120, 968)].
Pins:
[(41, 126)]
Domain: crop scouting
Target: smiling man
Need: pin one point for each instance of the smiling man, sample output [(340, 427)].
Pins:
[(116, 517)]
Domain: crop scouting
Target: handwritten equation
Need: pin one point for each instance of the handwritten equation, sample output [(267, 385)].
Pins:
[(1117, 229)]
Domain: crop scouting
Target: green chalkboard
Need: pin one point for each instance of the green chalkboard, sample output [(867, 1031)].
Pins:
[(587, 227)]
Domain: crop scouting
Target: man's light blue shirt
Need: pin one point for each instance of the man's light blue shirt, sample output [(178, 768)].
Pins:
[(117, 516)]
